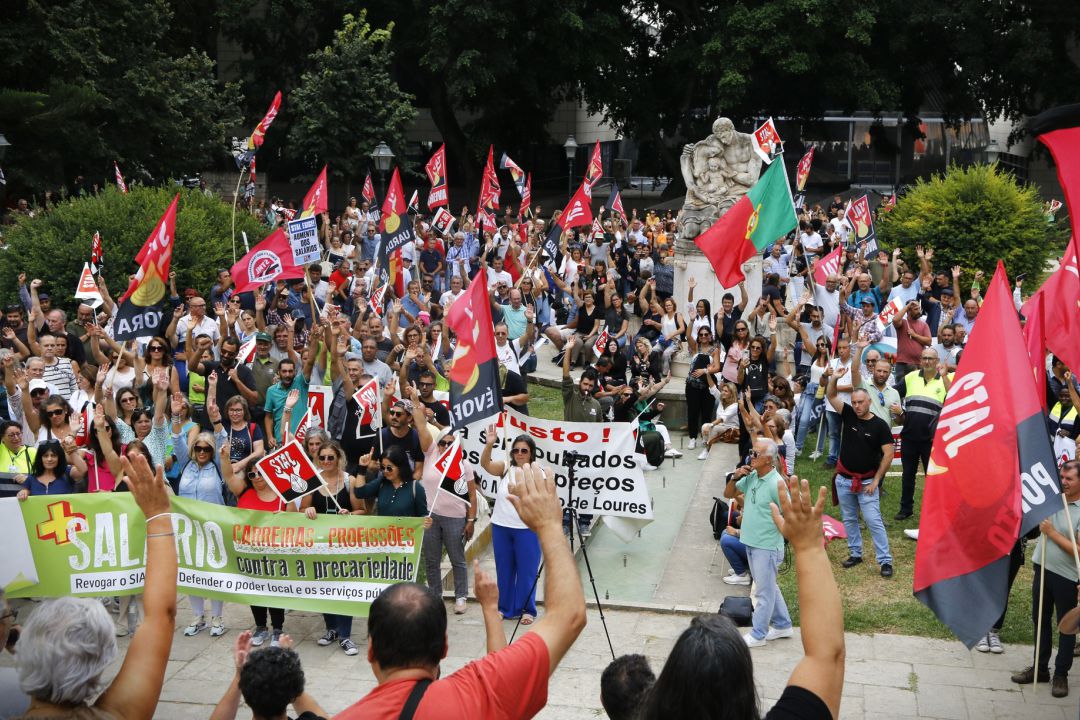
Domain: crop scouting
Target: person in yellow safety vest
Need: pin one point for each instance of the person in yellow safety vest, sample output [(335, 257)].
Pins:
[(923, 391), (1063, 414)]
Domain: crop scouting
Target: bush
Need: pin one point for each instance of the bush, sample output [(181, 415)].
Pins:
[(971, 217), (54, 246)]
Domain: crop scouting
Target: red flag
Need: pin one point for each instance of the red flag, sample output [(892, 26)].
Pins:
[(991, 476), (489, 185), (601, 342), (119, 178), (139, 313), (290, 472), (367, 398), (594, 171), (802, 171), (436, 172), (251, 172), (1035, 339), (246, 353), (451, 465), (394, 205), (368, 193), (316, 200), (597, 228), (614, 202), (828, 265), (862, 223), (289, 213), (97, 254), (258, 135), (526, 196), (87, 289), (270, 260), (486, 219), (375, 302), (474, 374), (414, 201), (766, 141), (1059, 303), (578, 211)]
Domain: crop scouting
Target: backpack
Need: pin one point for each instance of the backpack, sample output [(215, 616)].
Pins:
[(651, 444), (718, 516), (739, 609)]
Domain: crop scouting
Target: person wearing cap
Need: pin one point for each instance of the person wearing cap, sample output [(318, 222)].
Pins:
[(1054, 554), (864, 289), (863, 317), (398, 431), (15, 456)]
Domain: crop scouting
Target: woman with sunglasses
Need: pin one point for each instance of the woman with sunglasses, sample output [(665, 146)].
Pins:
[(740, 345), (141, 426), (253, 493), (53, 420), (704, 361), (516, 547), (810, 403), (200, 479), (336, 497), (57, 470), (725, 426), (644, 364), (392, 487), (158, 357), (104, 442)]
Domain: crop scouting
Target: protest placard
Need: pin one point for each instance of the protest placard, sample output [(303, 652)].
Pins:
[(304, 239), (93, 545)]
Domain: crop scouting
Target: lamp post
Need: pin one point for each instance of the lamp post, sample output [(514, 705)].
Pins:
[(382, 156), (571, 147)]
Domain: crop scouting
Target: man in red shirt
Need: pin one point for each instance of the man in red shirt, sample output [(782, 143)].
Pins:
[(407, 636), (912, 335)]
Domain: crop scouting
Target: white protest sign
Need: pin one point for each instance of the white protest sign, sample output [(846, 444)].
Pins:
[(608, 477), (304, 239)]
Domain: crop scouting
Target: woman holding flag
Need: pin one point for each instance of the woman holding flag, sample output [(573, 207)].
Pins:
[(453, 517)]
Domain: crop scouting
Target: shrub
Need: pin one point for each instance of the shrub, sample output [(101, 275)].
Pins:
[(971, 217), (53, 246)]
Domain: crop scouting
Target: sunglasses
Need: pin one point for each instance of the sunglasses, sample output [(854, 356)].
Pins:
[(397, 413), (156, 348), (445, 443), (35, 393), (755, 454), (388, 468), (57, 412), (203, 448), (328, 458), (129, 399), (520, 451)]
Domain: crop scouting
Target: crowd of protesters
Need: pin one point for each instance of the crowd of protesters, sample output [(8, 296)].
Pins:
[(808, 358)]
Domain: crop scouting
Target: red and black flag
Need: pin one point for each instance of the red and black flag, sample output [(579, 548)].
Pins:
[(594, 170), (991, 478), (258, 135), (451, 466), (368, 193), (526, 198), (97, 254), (436, 172), (396, 231), (474, 377), (140, 310), (614, 202), (489, 184)]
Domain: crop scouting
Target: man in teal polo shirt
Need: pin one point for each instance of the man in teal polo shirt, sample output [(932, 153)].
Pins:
[(763, 541), (288, 379)]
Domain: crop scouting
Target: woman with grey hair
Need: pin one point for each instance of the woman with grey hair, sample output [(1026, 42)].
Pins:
[(68, 643)]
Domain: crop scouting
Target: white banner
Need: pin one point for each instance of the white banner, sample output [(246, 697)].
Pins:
[(608, 475)]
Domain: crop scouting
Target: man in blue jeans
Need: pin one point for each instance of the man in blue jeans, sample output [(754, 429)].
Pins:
[(764, 543), (866, 451)]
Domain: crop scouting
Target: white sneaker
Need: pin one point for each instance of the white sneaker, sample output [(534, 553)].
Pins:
[(704, 454), (752, 641), (983, 645), (995, 643), (731, 571), (672, 453), (912, 533), (776, 634), (122, 628), (459, 606), (692, 444), (743, 579), (195, 626), (217, 627)]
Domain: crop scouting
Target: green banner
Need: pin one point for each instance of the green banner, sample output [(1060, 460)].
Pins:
[(95, 545)]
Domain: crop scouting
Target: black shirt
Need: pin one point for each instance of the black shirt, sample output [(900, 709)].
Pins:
[(798, 703), (226, 388), (442, 414), (861, 441), (410, 444)]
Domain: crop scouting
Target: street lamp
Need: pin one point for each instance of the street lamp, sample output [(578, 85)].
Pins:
[(993, 151), (571, 147), (382, 156)]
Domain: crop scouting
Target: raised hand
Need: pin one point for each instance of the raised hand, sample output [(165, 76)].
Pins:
[(291, 399), (146, 485), (799, 518), (956, 272)]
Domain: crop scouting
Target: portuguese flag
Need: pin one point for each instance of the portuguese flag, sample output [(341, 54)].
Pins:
[(760, 218)]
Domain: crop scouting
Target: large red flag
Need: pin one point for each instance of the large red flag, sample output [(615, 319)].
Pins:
[(255, 140), (1058, 300), (578, 211), (270, 260), (436, 172), (474, 375), (489, 185), (316, 201), (802, 170), (1035, 339), (992, 475), (828, 265), (140, 313)]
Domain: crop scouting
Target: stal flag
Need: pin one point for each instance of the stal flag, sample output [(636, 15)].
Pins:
[(862, 225), (443, 221), (395, 226), (414, 202), (289, 472), (597, 229), (269, 261), (255, 140), (120, 184), (760, 217), (316, 200), (246, 353), (140, 312), (486, 219), (474, 376), (88, 289), (436, 172), (578, 211), (1035, 340), (451, 466), (614, 202), (367, 400), (1059, 304), (303, 426), (767, 142), (97, 254), (991, 476), (828, 265), (368, 193), (601, 343), (489, 184), (318, 402), (516, 173), (526, 197), (594, 171), (375, 302), (802, 170)]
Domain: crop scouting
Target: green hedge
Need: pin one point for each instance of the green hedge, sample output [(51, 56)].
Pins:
[(971, 217), (54, 246)]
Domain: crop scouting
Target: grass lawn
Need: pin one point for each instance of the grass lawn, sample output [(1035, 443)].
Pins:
[(871, 603)]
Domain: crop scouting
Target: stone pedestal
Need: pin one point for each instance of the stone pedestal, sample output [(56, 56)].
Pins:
[(691, 262)]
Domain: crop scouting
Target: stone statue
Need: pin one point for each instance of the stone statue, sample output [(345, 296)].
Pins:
[(718, 171)]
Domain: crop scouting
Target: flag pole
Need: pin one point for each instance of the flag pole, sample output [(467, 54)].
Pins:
[(235, 193), (1072, 533), (1039, 611)]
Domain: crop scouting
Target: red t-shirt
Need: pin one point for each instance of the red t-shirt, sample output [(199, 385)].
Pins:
[(250, 500), (908, 350), (511, 683)]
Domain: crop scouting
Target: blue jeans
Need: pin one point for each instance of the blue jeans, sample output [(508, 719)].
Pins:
[(735, 552), (851, 504), (517, 560), (832, 419), (771, 608), (805, 415), (341, 624)]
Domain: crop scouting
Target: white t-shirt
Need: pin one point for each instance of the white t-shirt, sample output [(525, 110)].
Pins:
[(811, 242), (449, 297), (494, 277), (836, 363), (504, 514), (829, 302)]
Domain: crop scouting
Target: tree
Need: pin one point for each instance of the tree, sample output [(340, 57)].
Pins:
[(348, 102), (53, 246), (971, 217), (84, 83)]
